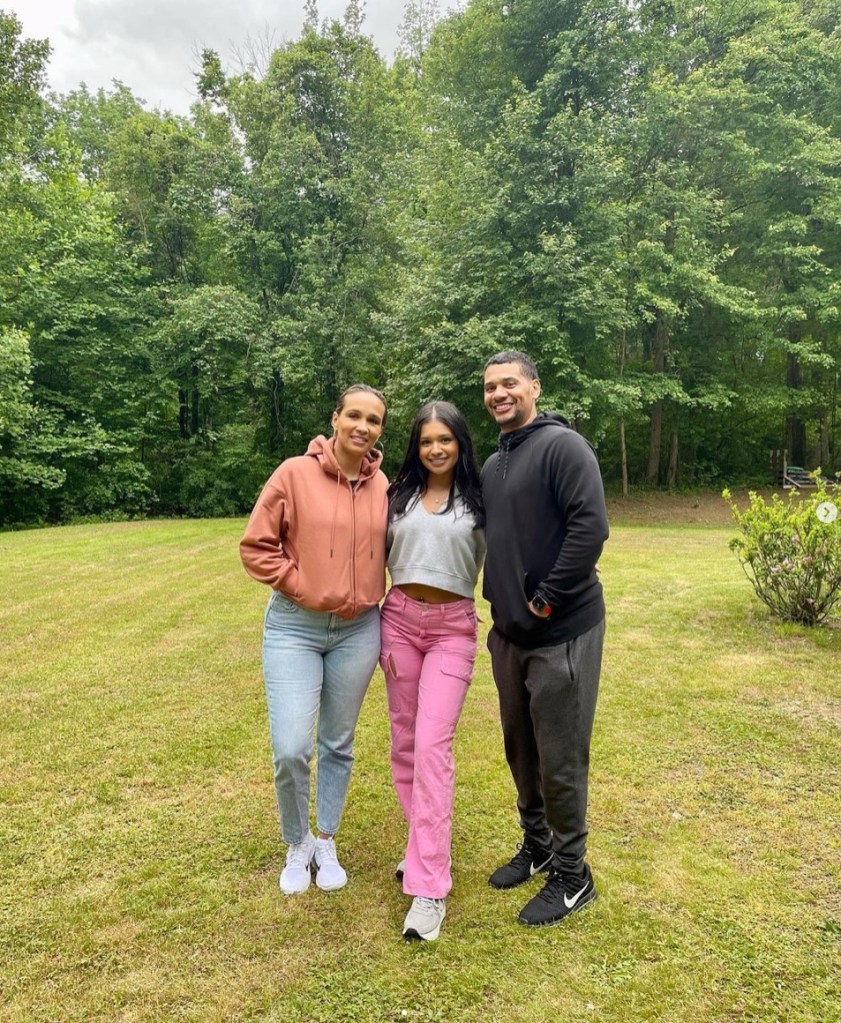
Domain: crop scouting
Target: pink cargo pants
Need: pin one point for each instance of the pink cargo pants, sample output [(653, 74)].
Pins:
[(427, 655)]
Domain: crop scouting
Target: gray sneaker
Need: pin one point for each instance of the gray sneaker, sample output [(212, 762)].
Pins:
[(424, 919)]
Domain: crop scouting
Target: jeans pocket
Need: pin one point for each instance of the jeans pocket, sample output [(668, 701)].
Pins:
[(388, 664), (278, 607), (472, 616), (401, 692)]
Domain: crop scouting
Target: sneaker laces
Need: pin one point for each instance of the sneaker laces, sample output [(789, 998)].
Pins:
[(299, 855), (423, 902), (527, 854), (327, 852), (554, 886), (524, 856)]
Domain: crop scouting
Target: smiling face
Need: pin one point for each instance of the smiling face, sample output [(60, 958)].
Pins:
[(510, 396), (357, 425), (438, 450)]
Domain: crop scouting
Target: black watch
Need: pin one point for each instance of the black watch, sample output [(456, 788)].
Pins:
[(540, 605)]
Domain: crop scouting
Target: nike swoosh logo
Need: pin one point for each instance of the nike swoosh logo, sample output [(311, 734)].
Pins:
[(534, 869), (570, 902)]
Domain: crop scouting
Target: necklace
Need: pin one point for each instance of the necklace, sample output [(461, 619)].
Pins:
[(437, 500)]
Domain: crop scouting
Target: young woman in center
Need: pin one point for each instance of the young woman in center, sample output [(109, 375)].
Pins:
[(435, 548)]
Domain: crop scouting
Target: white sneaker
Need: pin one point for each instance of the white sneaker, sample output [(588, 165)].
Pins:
[(424, 919), (295, 876), (331, 875)]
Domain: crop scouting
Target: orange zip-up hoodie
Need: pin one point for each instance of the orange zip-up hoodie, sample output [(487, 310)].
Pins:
[(315, 538)]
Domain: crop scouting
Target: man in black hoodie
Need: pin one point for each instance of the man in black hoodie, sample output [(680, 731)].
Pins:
[(546, 526)]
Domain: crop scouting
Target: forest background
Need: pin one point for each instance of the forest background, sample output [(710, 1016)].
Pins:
[(644, 195)]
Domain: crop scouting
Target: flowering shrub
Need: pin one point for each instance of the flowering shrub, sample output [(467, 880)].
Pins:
[(790, 550)]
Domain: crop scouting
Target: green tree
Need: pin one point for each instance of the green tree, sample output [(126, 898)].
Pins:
[(311, 230), (22, 79), (25, 434)]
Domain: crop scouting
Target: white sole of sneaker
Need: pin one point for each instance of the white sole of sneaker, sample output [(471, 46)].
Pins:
[(554, 923), (411, 933), (330, 887)]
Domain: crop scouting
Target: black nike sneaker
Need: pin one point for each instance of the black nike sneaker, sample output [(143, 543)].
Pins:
[(561, 895), (528, 861)]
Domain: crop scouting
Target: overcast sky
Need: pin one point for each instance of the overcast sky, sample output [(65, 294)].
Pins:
[(152, 45)]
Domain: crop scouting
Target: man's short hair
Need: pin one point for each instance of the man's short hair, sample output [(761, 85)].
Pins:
[(525, 363)]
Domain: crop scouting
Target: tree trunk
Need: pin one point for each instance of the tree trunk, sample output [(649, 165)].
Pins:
[(183, 415), (196, 398), (795, 427), (624, 450), (206, 423), (652, 472), (673, 460), (276, 395), (623, 447), (661, 345), (661, 341)]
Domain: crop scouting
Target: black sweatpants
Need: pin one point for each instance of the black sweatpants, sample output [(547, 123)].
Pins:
[(547, 702)]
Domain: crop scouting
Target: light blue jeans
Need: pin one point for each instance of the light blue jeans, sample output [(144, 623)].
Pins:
[(317, 667)]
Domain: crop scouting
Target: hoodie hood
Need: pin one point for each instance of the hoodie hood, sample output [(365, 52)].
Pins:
[(514, 438)]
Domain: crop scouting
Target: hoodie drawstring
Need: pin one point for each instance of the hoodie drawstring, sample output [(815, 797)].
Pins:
[(371, 527), (335, 514), (504, 450)]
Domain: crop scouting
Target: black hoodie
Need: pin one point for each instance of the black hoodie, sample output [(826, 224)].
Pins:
[(546, 526)]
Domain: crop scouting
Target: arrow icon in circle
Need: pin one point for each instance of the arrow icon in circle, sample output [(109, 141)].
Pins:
[(827, 512)]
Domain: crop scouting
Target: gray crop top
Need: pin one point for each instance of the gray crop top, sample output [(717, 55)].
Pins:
[(436, 549)]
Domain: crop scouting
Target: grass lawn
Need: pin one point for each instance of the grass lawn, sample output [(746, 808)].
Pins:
[(139, 848)]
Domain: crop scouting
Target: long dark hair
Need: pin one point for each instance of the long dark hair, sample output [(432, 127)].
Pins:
[(412, 478)]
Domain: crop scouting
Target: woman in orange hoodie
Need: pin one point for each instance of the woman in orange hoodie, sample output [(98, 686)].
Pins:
[(317, 537)]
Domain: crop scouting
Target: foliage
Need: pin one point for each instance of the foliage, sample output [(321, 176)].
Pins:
[(22, 79), (646, 196), (313, 231), (791, 556), (22, 429)]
